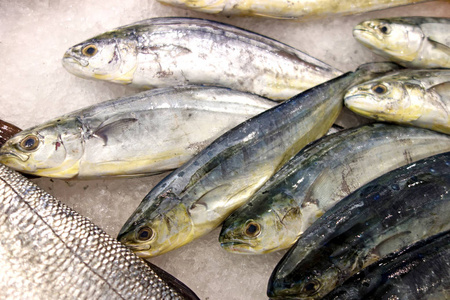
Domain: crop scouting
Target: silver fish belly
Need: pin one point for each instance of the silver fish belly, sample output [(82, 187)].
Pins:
[(147, 133), (198, 196), (414, 42), (391, 212), (48, 251), (163, 52), (287, 9), (318, 177)]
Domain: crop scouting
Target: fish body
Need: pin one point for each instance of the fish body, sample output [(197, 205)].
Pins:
[(412, 97), (286, 9), (395, 210), (420, 271), (162, 52), (147, 133), (318, 177), (198, 196), (49, 251), (414, 42)]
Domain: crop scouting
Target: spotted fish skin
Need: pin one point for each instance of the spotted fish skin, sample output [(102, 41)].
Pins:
[(419, 271), (393, 211), (162, 52), (49, 251)]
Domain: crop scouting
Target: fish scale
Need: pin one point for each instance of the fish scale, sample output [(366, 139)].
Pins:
[(48, 251)]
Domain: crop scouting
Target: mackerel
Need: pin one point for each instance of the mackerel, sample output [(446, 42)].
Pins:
[(391, 212), (317, 178), (162, 52)]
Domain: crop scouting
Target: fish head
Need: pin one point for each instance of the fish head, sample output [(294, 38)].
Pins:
[(53, 149), (267, 223), (154, 230), (395, 38), (111, 56), (387, 100), (207, 6), (310, 284)]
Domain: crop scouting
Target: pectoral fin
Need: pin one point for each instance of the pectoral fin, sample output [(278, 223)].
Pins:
[(209, 200), (109, 125), (389, 245), (439, 46)]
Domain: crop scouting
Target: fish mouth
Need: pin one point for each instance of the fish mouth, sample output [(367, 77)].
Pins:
[(138, 248), (71, 60), (8, 154), (237, 246)]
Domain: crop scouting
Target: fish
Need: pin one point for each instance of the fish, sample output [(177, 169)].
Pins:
[(395, 210), (413, 42), (317, 178), (143, 134), (411, 97), (49, 251), (7, 130), (198, 196), (419, 271), (161, 52), (285, 9)]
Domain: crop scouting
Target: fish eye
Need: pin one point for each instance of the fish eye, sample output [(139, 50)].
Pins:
[(145, 234), (252, 229), (379, 89), (385, 29), (89, 50), (29, 143), (311, 287)]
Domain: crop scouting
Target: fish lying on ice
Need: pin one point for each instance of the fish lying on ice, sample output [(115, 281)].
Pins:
[(414, 42), (420, 271), (413, 97), (397, 209), (287, 9), (199, 195), (318, 177), (163, 52), (147, 133), (48, 251)]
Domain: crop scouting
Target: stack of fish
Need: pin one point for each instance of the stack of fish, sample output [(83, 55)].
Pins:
[(251, 154)]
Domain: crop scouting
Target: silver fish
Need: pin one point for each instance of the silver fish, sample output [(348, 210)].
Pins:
[(318, 177), (198, 196), (287, 9), (415, 42), (48, 251), (417, 272), (393, 211), (147, 133), (412, 97), (163, 52)]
